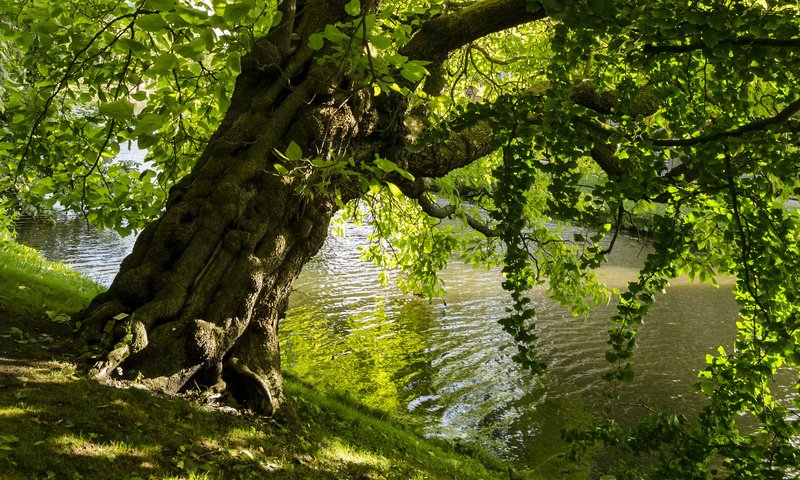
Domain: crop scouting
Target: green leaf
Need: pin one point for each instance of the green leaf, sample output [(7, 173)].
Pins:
[(395, 190), (316, 41), (413, 71), (333, 34), (148, 123), (353, 8), (119, 110), (293, 152), (161, 5), (234, 62), (151, 23), (192, 50), (47, 27), (165, 63), (237, 10), (380, 42)]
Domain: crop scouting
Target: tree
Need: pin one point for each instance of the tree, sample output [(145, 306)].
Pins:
[(264, 120)]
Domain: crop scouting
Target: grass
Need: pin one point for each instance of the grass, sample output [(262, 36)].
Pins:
[(55, 423), (28, 282)]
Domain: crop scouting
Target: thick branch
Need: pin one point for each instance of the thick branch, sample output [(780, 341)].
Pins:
[(441, 35), (419, 190), (438, 159), (782, 117), (436, 211)]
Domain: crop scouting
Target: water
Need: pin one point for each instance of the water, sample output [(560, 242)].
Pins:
[(446, 364), (68, 239)]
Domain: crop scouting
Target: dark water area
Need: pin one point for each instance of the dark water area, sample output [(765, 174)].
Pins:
[(445, 364)]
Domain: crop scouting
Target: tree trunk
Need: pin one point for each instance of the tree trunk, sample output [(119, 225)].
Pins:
[(207, 284)]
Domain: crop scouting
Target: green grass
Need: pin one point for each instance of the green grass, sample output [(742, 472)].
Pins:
[(28, 282), (55, 423)]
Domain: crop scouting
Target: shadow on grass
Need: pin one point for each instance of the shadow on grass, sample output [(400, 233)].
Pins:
[(56, 424)]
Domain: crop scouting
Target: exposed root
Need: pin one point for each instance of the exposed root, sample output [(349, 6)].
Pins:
[(262, 398), (103, 369)]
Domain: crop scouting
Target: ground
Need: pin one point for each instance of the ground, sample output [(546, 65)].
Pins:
[(55, 423)]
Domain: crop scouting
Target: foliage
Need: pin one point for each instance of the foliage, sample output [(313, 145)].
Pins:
[(601, 110)]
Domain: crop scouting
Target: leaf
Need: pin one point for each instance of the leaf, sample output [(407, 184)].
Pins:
[(413, 71), (381, 42), (192, 50), (237, 10), (353, 8), (335, 35), (47, 27), (316, 41), (148, 123), (247, 454), (151, 23), (161, 5), (389, 166), (293, 152), (385, 165), (234, 62), (396, 192), (120, 110), (165, 63)]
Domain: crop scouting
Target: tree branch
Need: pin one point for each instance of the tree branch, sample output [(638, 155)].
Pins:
[(746, 41), (419, 190), (439, 158), (781, 117), (441, 35)]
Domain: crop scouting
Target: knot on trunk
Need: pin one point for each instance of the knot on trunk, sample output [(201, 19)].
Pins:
[(205, 340)]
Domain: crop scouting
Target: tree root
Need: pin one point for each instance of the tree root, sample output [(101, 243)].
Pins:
[(263, 394)]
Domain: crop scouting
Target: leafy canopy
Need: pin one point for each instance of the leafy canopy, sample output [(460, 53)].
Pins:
[(597, 113)]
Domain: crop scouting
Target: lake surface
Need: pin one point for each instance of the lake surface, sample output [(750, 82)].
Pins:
[(446, 363)]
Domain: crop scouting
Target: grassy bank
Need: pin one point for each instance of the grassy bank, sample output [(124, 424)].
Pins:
[(55, 423)]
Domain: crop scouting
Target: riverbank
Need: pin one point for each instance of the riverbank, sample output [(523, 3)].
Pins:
[(55, 423)]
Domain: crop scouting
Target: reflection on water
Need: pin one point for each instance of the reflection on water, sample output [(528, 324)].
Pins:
[(447, 362)]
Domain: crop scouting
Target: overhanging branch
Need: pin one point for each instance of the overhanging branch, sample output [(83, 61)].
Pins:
[(781, 117), (419, 190), (740, 41), (441, 35), (437, 159)]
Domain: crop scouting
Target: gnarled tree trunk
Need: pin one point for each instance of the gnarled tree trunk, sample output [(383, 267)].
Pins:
[(207, 284)]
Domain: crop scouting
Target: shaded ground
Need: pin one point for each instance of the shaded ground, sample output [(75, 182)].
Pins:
[(54, 423)]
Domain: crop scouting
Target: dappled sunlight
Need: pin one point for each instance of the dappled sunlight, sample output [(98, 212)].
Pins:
[(90, 445), (334, 451), (18, 410)]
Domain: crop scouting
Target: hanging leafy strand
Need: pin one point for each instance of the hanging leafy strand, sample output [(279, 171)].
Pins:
[(515, 178)]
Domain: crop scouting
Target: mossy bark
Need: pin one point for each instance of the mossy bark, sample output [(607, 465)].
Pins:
[(207, 284)]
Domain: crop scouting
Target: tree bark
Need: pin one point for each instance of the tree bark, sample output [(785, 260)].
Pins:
[(207, 284), (198, 302)]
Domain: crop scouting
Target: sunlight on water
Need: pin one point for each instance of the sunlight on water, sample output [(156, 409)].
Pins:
[(448, 361)]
